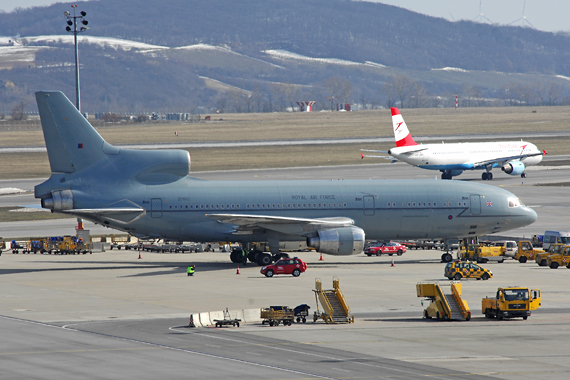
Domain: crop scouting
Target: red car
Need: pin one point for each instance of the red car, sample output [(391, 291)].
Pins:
[(386, 248), (285, 266)]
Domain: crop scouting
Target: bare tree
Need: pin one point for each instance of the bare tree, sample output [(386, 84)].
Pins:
[(338, 88), (18, 111)]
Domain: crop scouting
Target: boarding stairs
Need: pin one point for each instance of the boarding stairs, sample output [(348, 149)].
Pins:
[(334, 305), (449, 306)]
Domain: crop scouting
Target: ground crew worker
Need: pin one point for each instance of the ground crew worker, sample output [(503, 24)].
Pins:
[(244, 256), (191, 270)]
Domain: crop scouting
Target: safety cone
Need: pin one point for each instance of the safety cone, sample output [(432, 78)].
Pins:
[(237, 272), (191, 324), (392, 262), (321, 259), (140, 255)]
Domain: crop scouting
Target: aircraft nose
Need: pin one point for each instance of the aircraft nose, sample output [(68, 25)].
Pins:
[(529, 216)]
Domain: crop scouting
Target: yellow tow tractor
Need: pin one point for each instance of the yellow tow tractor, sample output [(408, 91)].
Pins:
[(443, 306), (559, 259), (526, 251), (511, 302), (542, 258)]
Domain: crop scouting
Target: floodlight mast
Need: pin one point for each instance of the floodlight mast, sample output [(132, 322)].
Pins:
[(72, 21)]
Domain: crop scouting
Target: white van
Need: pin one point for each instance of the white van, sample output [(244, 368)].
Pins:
[(510, 246), (554, 237)]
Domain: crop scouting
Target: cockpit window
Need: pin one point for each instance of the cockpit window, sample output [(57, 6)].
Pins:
[(514, 202)]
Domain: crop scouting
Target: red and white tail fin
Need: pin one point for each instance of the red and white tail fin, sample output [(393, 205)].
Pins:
[(402, 135)]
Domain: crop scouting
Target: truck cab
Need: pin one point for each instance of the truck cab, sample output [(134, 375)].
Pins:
[(554, 249), (511, 302)]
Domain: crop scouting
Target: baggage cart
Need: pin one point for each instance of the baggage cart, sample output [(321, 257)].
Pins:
[(274, 315)]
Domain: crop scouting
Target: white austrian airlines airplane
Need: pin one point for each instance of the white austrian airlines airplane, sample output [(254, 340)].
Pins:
[(452, 159)]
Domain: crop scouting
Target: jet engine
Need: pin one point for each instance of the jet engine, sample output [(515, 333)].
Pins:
[(513, 168), (341, 241)]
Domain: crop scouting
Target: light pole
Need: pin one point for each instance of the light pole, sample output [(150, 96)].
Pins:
[(72, 21)]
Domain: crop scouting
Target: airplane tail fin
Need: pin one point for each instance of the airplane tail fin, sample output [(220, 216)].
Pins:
[(72, 143), (401, 133)]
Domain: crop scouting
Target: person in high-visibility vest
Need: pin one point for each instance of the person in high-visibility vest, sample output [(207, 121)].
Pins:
[(244, 256), (191, 270)]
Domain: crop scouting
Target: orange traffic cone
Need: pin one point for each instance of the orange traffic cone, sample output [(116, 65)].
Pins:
[(140, 255), (237, 271), (392, 262), (321, 259)]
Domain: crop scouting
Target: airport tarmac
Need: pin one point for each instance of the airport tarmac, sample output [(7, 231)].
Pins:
[(111, 315)]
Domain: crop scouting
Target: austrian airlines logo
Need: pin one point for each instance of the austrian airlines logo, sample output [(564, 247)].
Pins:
[(523, 148), (399, 124)]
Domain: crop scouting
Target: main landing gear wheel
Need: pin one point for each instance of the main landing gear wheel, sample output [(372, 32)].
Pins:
[(487, 176), (446, 258), (445, 175), (523, 175)]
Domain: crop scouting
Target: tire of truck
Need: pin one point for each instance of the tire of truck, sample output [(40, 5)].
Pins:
[(296, 272), (522, 259), (554, 265), (400, 252), (525, 318), (542, 263), (426, 315), (263, 259), (437, 316), (446, 258), (457, 276), (499, 315), (485, 277)]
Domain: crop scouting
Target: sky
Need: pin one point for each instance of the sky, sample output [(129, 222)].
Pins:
[(546, 15)]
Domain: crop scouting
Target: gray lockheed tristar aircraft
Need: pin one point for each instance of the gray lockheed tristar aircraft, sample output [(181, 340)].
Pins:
[(149, 194)]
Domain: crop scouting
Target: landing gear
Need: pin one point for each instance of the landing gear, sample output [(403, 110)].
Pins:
[(487, 176), (523, 175), (446, 175)]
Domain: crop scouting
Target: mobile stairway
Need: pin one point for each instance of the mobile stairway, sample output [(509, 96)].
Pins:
[(444, 306), (335, 307)]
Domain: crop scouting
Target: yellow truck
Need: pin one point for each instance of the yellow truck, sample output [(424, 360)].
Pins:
[(559, 259), (526, 251), (542, 258), (482, 253), (511, 302)]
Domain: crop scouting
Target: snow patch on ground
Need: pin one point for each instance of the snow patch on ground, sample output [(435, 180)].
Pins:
[(456, 69), (287, 55)]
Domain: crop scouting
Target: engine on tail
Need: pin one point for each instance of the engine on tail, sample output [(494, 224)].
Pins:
[(513, 168), (342, 241)]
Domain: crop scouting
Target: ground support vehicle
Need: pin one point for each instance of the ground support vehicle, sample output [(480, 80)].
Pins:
[(555, 237), (510, 246), (293, 266), (554, 249), (511, 302), (228, 320), (443, 306), (389, 249), (335, 307), (274, 315), (464, 269), (37, 246), (560, 259), (422, 244), (301, 313), (526, 251), (16, 246), (482, 253)]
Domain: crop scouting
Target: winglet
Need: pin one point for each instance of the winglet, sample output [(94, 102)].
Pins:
[(401, 133)]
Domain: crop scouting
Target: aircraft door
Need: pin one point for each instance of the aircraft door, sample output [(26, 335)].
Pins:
[(475, 204), (156, 208), (368, 204)]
